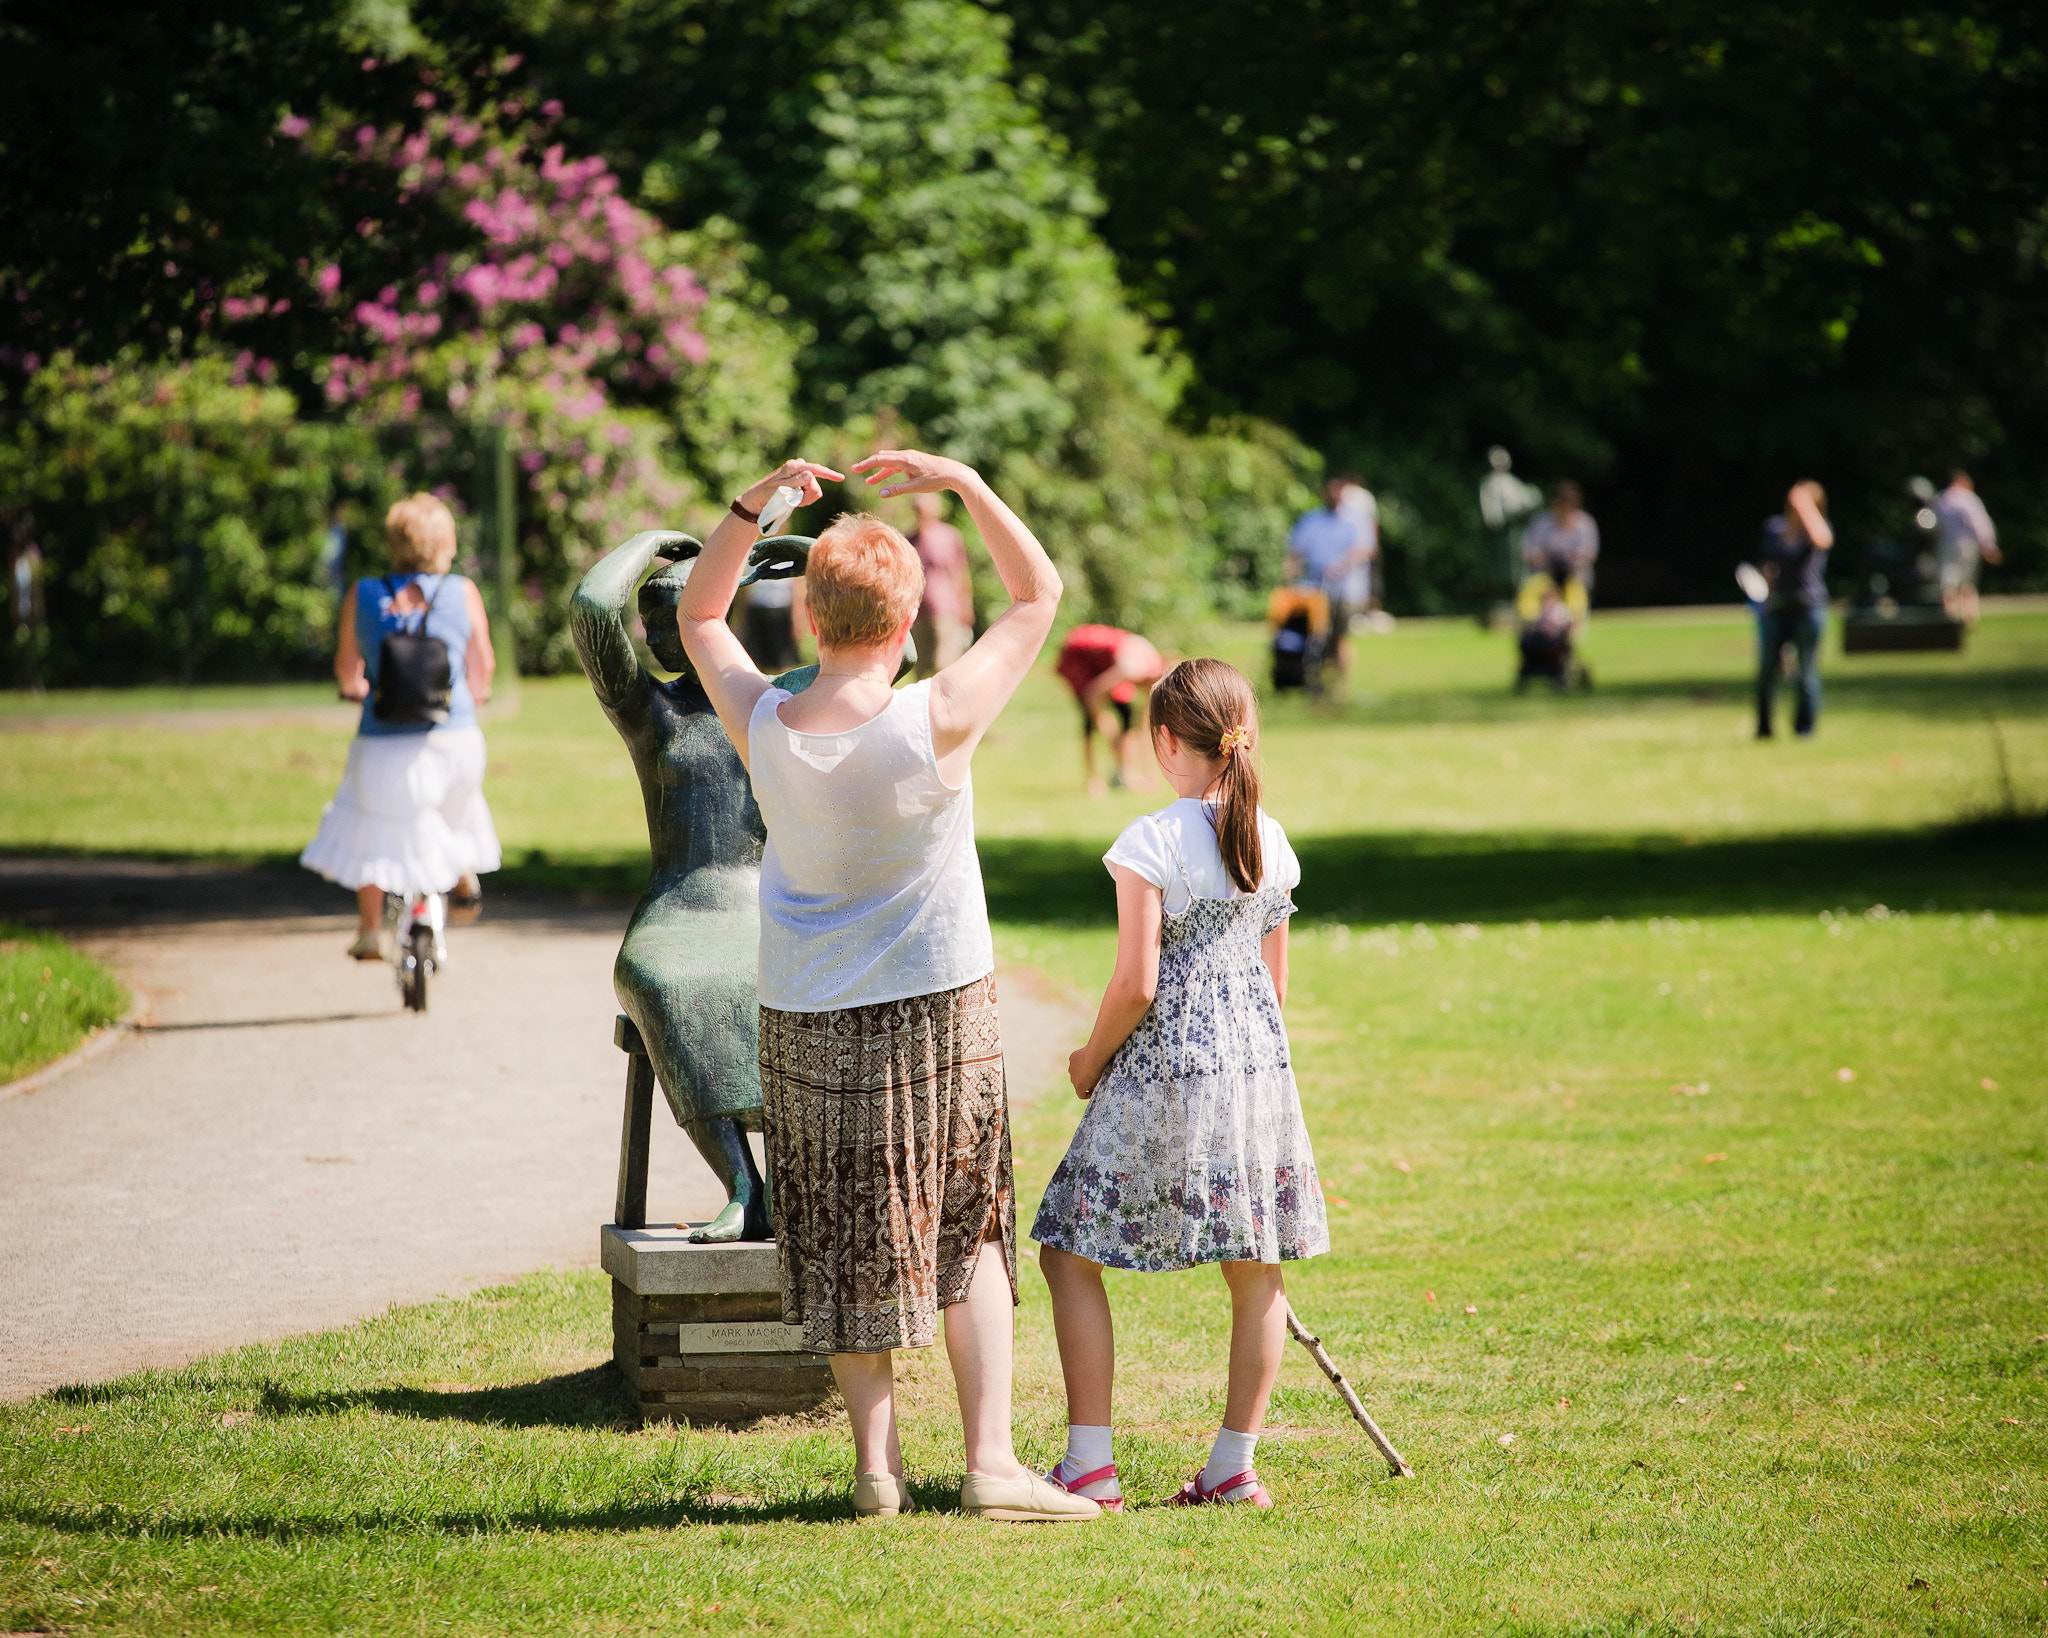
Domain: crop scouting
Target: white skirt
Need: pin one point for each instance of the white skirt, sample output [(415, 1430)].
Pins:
[(410, 816)]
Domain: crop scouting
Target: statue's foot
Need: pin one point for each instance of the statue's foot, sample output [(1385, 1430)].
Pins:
[(727, 1227)]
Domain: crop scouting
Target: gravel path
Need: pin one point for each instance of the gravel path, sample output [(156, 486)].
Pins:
[(280, 1148)]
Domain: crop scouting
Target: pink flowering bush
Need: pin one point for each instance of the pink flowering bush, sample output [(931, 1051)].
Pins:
[(514, 286)]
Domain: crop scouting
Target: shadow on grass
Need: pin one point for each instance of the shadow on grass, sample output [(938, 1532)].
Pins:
[(1995, 864), (1999, 865), (594, 1398)]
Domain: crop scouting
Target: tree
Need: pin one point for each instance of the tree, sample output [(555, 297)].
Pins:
[(1692, 250)]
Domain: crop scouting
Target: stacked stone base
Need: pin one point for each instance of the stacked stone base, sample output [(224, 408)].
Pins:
[(697, 1331)]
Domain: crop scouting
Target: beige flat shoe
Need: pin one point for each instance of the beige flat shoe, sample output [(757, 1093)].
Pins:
[(367, 947), (880, 1496), (1029, 1500)]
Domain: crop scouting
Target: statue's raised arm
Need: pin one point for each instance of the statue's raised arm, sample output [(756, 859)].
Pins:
[(598, 614)]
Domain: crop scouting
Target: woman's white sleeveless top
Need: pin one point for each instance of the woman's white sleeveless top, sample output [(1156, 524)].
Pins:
[(870, 885)]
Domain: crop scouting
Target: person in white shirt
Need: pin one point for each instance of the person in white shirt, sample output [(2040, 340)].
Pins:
[(881, 1058), (1964, 536)]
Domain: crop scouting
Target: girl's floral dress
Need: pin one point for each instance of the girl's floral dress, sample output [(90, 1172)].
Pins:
[(1193, 1148)]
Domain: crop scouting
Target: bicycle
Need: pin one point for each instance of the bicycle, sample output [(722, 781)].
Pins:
[(419, 945)]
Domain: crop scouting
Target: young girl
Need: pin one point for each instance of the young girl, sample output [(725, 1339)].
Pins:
[(1192, 1149)]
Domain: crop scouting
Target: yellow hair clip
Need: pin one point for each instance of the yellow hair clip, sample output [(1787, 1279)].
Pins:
[(1234, 739)]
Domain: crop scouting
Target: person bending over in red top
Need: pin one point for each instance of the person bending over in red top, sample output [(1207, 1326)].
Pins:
[(1106, 668)]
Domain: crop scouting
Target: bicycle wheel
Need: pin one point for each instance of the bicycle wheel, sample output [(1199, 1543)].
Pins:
[(420, 958)]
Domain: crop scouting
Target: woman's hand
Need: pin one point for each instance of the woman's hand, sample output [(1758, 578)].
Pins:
[(918, 473), (1082, 1073), (795, 473)]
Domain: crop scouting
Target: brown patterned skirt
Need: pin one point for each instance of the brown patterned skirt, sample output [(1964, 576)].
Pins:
[(888, 1134)]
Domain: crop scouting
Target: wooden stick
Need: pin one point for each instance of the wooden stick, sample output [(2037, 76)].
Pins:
[(1316, 1351)]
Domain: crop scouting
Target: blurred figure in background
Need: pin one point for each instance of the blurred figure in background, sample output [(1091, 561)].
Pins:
[(770, 627), (1360, 593), (1563, 542), (1964, 535), (1794, 564), (1322, 550), (944, 628), (1108, 668)]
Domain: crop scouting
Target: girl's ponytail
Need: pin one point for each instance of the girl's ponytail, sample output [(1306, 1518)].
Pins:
[(1209, 707)]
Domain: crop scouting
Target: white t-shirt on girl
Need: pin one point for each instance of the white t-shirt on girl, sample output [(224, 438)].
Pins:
[(1142, 849)]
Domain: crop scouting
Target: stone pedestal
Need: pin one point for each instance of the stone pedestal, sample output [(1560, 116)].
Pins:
[(697, 1330)]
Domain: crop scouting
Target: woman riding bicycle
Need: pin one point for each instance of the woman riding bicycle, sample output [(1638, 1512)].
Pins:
[(410, 816)]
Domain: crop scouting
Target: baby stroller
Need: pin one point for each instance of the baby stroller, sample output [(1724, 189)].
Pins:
[(1300, 618), (1550, 609)]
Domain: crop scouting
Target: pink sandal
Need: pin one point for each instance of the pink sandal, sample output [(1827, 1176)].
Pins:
[(1192, 1494), (1109, 1504)]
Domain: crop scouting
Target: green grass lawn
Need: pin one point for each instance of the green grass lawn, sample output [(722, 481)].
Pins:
[(1681, 1105), (51, 998)]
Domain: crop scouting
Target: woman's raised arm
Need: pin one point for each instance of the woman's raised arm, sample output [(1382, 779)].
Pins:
[(971, 692), (732, 680)]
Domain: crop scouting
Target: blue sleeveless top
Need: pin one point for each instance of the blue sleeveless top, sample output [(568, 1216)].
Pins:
[(448, 620)]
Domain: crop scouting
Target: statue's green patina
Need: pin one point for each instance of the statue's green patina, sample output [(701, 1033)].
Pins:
[(686, 972)]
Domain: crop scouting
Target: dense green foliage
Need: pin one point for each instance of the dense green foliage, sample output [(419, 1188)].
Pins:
[(1687, 251), (876, 238), (185, 505), (51, 996)]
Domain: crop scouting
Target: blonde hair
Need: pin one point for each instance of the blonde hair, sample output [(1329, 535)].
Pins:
[(419, 533), (862, 581), (1209, 707)]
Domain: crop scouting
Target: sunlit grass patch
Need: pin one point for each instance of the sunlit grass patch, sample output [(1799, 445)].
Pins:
[(51, 997)]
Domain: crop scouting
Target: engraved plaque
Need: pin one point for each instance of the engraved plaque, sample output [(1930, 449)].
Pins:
[(741, 1337)]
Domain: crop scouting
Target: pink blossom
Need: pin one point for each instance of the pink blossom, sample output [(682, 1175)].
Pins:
[(365, 135), (510, 61), (512, 108), (531, 461), (388, 295), (429, 294), (409, 402), (266, 370), (551, 108), (469, 175), (170, 270), (282, 305), (240, 373), (329, 279), (414, 148), (294, 125), (366, 227), (424, 100), (462, 132), (483, 285), (695, 348), (527, 335), (369, 64)]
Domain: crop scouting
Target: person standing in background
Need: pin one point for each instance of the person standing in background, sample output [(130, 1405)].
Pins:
[(1361, 595), (944, 628), (1322, 549), (1794, 562), (769, 633), (1963, 536), (1563, 541)]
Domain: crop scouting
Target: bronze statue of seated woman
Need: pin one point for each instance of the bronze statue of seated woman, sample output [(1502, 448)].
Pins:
[(686, 972)]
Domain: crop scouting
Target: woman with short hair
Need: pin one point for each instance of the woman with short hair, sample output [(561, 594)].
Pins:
[(410, 815), (881, 1059)]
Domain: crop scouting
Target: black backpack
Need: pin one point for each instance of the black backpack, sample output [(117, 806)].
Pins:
[(414, 673)]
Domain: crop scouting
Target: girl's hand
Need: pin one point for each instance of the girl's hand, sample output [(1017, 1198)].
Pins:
[(920, 474), (797, 473), (1083, 1074)]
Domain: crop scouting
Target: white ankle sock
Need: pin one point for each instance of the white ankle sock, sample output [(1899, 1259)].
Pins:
[(1087, 1450), (1230, 1456)]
